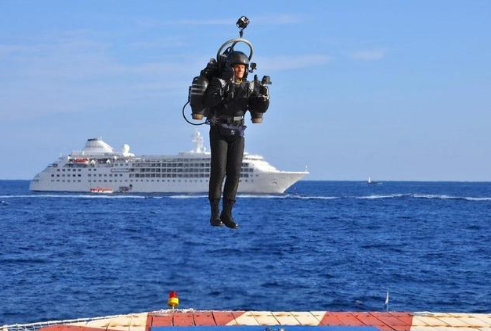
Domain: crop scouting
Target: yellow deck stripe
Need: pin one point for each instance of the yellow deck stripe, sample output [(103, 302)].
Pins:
[(305, 318), (265, 318), (285, 318), (246, 319)]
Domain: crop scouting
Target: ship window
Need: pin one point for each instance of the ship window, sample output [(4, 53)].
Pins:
[(110, 181), (52, 175), (89, 175), (63, 170), (100, 175), (89, 180), (79, 180), (57, 169), (105, 180)]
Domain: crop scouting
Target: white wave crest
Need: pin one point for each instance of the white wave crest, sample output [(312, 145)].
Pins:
[(184, 196), (445, 197), (72, 196), (390, 196), (243, 196)]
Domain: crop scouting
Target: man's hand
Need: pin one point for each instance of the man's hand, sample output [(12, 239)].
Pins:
[(228, 73), (264, 91)]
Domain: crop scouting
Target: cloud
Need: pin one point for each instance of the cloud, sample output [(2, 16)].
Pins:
[(159, 43), (279, 19), (368, 55), (281, 63), (273, 19), (63, 75)]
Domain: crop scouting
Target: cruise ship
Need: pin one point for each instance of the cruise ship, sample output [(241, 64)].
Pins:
[(98, 168)]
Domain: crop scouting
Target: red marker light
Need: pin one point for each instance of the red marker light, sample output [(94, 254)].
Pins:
[(173, 300)]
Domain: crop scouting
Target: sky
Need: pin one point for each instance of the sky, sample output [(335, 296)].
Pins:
[(394, 90)]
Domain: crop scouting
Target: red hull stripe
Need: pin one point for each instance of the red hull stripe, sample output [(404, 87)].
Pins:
[(165, 320), (183, 319), (224, 318), (203, 319)]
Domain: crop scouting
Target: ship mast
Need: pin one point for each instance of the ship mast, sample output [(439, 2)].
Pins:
[(198, 143)]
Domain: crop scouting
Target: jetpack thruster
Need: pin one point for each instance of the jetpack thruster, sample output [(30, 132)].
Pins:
[(220, 67)]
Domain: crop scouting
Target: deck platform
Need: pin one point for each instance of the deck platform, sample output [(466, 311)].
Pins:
[(169, 320)]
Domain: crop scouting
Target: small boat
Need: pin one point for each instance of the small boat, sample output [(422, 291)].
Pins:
[(102, 190), (84, 161), (370, 181)]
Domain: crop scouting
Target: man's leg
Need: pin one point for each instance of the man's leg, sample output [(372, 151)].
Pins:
[(219, 149), (234, 164)]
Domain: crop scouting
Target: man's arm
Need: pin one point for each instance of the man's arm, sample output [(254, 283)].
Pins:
[(214, 93), (259, 102)]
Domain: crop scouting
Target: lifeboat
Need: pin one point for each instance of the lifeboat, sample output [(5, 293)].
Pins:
[(103, 190), (81, 161)]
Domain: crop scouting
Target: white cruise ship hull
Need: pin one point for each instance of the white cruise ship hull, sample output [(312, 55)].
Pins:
[(272, 183), (99, 169)]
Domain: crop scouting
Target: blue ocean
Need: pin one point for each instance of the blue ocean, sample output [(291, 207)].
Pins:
[(338, 246)]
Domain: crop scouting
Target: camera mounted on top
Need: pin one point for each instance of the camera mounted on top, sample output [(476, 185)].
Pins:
[(220, 67)]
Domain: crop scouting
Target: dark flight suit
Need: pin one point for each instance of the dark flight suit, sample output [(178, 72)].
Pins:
[(228, 103)]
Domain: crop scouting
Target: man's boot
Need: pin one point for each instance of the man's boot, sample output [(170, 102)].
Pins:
[(215, 213), (226, 216)]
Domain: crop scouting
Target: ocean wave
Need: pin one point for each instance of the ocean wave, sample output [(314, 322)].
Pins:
[(184, 196), (72, 196), (446, 197), (245, 196), (389, 196)]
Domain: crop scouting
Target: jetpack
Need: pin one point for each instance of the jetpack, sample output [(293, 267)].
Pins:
[(216, 68)]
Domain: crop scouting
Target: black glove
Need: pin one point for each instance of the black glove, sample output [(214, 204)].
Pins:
[(211, 69), (228, 73), (264, 91)]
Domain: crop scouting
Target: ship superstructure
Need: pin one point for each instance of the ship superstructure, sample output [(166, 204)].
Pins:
[(98, 167)]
